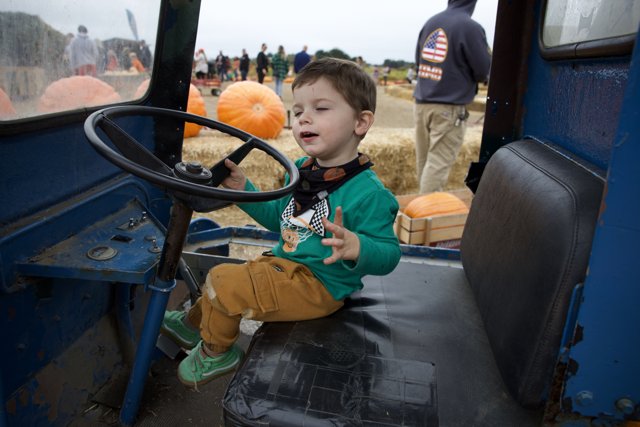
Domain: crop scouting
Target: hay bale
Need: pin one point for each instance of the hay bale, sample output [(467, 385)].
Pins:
[(392, 151), (469, 152), (393, 154), (400, 91), (210, 146)]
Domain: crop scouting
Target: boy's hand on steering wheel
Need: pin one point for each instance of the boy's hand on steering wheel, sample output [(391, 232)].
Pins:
[(236, 179)]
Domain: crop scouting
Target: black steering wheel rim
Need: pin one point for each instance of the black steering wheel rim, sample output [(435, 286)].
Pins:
[(173, 182)]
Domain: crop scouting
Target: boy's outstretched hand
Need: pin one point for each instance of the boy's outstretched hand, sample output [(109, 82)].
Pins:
[(345, 243), (236, 179)]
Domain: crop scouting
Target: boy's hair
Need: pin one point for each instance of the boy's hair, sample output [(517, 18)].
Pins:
[(356, 86)]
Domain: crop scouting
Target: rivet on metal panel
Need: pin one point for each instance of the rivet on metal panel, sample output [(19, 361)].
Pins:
[(625, 405), (584, 398)]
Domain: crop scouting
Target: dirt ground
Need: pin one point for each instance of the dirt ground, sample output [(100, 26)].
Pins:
[(389, 143)]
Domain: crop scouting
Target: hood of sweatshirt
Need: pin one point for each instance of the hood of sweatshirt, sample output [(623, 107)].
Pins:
[(467, 6)]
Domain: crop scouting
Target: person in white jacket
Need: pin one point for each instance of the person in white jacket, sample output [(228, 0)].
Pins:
[(83, 54), (201, 66)]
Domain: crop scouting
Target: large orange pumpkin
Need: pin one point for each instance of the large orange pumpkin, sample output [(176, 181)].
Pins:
[(6, 107), (70, 93), (253, 108), (195, 105), (433, 204), (142, 89)]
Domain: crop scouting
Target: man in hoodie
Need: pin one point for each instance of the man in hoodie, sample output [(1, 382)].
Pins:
[(452, 57), (83, 54)]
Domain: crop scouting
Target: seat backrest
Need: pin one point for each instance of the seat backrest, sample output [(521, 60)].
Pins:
[(525, 247)]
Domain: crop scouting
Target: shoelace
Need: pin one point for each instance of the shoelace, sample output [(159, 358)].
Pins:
[(197, 362)]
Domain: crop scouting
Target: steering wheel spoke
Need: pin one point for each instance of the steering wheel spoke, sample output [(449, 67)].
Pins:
[(219, 171), (132, 149)]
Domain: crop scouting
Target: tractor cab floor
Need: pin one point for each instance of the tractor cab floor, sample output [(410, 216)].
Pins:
[(166, 401)]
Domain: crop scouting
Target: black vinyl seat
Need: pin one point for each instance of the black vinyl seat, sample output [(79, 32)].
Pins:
[(524, 262), (442, 344)]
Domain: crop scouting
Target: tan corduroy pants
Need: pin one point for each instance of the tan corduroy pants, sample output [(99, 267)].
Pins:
[(438, 141), (268, 289)]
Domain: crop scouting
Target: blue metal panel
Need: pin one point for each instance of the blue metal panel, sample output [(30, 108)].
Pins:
[(122, 247), (34, 234), (572, 102), (42, 321), (43, 317), (607, 366), (57, 163)]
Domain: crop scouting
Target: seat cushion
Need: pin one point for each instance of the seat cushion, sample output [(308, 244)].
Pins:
[(407, 350), (524, 249)]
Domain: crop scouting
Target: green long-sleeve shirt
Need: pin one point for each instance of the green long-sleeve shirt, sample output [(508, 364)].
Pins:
[(369, 210)]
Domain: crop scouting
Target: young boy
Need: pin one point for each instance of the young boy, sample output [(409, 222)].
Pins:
[(335, 228)]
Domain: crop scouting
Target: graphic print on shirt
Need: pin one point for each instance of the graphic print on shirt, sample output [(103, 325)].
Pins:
[(295, 230), (428, 72), (435, 47), (434, 50)]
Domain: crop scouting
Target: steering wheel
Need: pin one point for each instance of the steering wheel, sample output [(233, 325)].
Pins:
[(189, 181)]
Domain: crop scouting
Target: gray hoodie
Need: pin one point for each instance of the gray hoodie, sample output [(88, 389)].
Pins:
[(452, 56), (83, 51)]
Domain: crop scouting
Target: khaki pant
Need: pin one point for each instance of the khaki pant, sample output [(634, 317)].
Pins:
[(269, 289), (438, 141)]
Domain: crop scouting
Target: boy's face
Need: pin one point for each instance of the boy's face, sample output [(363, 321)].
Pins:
[(325, 126)]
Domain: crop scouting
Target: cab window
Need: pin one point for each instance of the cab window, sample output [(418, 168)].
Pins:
[(582, 28), (65, 55)]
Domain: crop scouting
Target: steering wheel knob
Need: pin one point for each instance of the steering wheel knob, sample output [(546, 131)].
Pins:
[(193, 172), (194, 167)]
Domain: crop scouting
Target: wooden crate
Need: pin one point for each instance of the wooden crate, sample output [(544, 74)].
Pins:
[(440, 230)]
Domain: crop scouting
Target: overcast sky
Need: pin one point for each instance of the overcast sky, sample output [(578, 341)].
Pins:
[(374, 30)]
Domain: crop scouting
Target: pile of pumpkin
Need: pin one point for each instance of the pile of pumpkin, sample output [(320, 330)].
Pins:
[(247, 105)]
